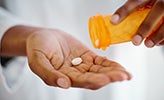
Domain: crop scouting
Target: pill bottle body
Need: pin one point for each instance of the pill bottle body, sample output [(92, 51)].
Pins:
[(103, 33)]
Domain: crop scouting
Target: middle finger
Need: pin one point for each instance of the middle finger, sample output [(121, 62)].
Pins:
[(149, 23)]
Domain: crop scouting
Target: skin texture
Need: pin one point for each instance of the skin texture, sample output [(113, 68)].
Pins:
[(156, 14), (50, 52)]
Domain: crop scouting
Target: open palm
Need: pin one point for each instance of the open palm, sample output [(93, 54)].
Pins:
[(50, 53)]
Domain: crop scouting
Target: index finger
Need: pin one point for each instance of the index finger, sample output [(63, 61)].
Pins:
[(43, 68)]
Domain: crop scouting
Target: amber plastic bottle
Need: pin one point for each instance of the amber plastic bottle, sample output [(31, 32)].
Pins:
[(103, 33)]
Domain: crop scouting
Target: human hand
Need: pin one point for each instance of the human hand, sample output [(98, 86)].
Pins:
[(50, 53), (156, 14)]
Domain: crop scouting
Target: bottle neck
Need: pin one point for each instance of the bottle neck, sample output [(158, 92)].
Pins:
[(99, 33)]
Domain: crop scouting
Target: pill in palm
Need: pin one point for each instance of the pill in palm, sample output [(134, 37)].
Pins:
[(76, 61)]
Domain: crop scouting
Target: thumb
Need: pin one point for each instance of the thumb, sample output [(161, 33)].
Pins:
[(43, 68), (127, 9)]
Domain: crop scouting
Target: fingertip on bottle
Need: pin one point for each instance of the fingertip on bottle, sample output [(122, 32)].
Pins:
[(115, 19), (149, 43), (137, 39)]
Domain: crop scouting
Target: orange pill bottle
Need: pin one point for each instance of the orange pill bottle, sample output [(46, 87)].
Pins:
[(103, 33)]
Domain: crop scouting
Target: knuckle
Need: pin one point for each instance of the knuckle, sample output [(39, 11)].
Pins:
[(145, 29), (143, 1), (125, 10), (48, 82), (160, 4), (158, 37), (46, 79), (57, 62), (49, 79), (146, 26), (95, 88), (161, 36), (92, 87), (139, 3)]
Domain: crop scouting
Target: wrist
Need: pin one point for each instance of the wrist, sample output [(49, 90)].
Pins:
[(14, 40)]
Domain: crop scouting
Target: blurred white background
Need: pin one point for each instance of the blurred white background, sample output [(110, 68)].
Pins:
[(145, 65)]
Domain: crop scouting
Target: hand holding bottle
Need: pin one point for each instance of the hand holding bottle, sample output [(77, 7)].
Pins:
[(154, 17)]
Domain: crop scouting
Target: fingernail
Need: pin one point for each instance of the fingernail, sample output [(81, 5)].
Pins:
[(137, 39), (115, 18), (62, 82), (149, 43), (157, 44)]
